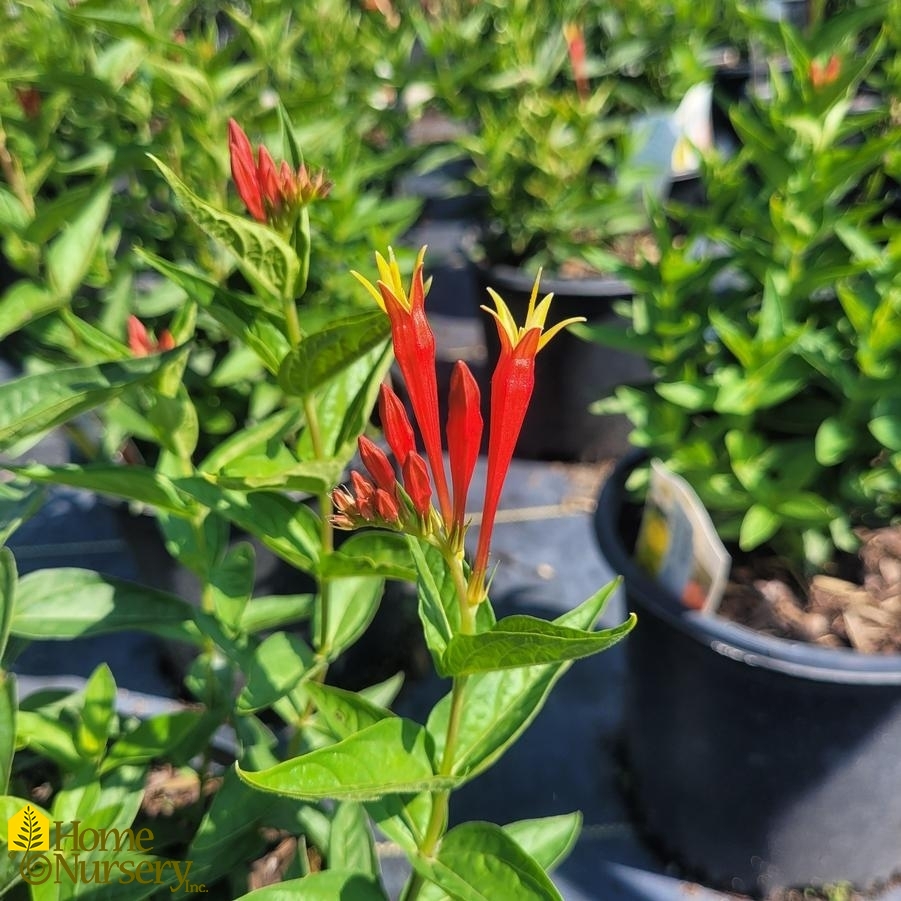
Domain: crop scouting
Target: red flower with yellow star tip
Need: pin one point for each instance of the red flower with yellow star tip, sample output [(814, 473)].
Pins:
[(511, 390), (414, 350)]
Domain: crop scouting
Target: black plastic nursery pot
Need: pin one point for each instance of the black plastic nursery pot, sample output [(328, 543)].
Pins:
[(757, 763), (570, 373)]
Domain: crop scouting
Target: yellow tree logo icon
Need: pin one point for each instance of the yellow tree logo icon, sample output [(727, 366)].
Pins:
[(28, 830)]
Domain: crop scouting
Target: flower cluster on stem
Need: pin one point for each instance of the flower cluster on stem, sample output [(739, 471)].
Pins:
[(405, 504)]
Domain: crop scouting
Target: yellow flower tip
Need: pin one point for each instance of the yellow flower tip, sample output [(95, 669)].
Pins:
[(373, 291), (555, 329)]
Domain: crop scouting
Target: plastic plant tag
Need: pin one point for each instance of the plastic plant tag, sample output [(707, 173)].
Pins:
[(678, 544)]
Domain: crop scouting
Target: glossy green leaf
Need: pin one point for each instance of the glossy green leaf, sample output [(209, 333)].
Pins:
[(8, 580), (229, 830), (256, 471), (253, 438), (48, 737), (231, 583), (36, 403), (345, 712), (8, 710), (239, 314), (548, 839), (324, 354), (434, 584), (350, 844), (480, 862), (97, 713), (67, 603), (374, 553), (327, 885), (759, 524), (17, 505), (526, 641), (273, 669), (70, 255), (392, 756), (344, 405), (267, 261), (25, 302), (134, 483), (285, 526), (156, 736), (353, 602), (835, 438), (498, 706), (275, 612), (886, 428)]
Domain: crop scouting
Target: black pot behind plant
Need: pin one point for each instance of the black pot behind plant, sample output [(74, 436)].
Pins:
[(570, 374), (757, 763)]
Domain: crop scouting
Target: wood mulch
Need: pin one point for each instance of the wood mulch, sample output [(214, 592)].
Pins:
[(862, 612)]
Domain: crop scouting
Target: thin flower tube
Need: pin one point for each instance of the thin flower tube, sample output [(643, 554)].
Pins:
[(464, 438), (511, 390), (414, 349)]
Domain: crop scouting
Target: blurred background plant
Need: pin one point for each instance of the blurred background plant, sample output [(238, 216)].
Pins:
[(91, 89), (771, 320)]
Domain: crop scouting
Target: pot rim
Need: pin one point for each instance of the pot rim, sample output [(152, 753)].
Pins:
[(741, 643)]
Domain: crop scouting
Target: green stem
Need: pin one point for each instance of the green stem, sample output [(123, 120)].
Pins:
[(441, 800)]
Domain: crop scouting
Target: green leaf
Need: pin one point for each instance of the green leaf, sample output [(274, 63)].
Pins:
[(239, 314), (526, 641), (548, 839), (285, 526), (23, 303), (256, 471), (350, 845), (157, 736), (49, 738), (134, 483), (498, 706), (275, 612), (392, 756), (253, 438), (328, 885), (17, 505), (273, 669), (345, 712), (34, 404), (231, 584), (759, 524), (353, 602), (434, 584), (8, 710), (266, 260), (97, 713), (480, 862), (8, 580), (322, 355), (886, 427), (70, 256), (67, 603), (835, 438), (374, 553)]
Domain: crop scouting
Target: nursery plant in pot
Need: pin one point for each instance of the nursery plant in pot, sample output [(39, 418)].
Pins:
[(762, 740), (553, 150)]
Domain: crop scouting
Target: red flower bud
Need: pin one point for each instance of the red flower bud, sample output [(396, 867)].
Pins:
[(417, 484), (464, 434), (395, 424), (377, 464)]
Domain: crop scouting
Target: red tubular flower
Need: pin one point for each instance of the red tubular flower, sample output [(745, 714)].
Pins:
[(377, 464), (822, 76), (511, 391), (575, 45), (271, 193), (417, 484), (395, 424), (414, 349), (141, 344), (464, 435)]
